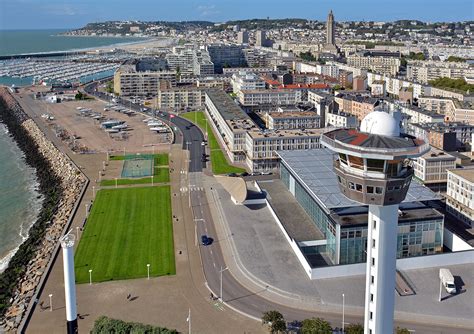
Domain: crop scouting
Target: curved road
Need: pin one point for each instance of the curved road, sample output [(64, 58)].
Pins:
[(235, 295)]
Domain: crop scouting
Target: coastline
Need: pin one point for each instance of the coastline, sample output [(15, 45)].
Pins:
[(60, 183)]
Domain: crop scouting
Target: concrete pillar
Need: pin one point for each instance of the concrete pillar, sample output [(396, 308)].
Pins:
[(381, 268)]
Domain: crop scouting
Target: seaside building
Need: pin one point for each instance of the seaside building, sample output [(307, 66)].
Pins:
[(460, 195)]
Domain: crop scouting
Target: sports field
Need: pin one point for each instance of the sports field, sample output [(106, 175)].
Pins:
[(127, 229), (218, 160)]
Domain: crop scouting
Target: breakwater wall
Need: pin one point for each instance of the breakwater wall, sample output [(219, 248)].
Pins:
[(61, 184)]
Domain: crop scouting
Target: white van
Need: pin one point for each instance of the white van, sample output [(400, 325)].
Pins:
[(448, 280)]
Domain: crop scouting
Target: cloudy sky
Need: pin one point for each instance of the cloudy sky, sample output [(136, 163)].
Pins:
[(46, 14)]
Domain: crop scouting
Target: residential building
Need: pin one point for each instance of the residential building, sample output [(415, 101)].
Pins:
[(431, 168), (393, 85), (226, 55), (359, 83), (246, 81), (269, 97), (356, 104), (426, 70), (180, 98), (292, 120), (379, 62), (460, 195), (378, 88), (345, 78), (261, 38), (243, 37), (340, 119), (452, 109)]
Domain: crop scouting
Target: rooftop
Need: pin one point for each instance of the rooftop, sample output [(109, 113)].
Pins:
[(290, 133), (437, 154), (465, 173), (296, 114), (314, 169), (228, 109)]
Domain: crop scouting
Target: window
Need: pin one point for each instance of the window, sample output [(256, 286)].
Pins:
[(373, 243), (378, 190), (371, 297), (351, 185), (372, 279), (343, 158), (371, 315), (356, 162), (375, 165), (373, 261), (370, 189), (359, 187), (375, 224)]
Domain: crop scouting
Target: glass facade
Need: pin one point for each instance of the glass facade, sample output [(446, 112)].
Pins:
[(353, 245), (419, 238)]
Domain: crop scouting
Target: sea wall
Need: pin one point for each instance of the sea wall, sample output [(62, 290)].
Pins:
[(60, 183)]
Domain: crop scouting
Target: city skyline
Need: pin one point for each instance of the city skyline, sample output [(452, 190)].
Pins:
[(32, 14)]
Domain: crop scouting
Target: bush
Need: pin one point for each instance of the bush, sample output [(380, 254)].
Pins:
[(354, 329), (107, 325), (316, 326), (274, 320)]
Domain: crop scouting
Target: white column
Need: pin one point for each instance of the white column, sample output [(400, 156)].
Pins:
[(381, 267), (67, 243)]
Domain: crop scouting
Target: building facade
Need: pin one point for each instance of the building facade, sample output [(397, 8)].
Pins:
[(460, 195)]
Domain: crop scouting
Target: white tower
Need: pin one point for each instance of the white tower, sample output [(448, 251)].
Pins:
[(67, 243), (373, 168)]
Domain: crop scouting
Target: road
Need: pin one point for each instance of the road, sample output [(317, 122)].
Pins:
[(234, 294)]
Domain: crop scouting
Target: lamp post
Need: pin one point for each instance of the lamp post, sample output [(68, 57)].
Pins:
[(87, 210), (90, 276), (343, 305), (93, 191), (100, 176), (440, 289), (220, 296), (115, 182), (51, 302), (77, 232), (148, 270)]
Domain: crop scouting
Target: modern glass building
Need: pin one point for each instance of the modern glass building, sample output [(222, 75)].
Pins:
[(309, 176)]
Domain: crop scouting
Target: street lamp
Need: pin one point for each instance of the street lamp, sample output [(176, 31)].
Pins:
[(115, 182), (343, 304), (148, 270), (51, 302), (93, 191), (90, 276), (221, 271), (87, 210), (77, 232)]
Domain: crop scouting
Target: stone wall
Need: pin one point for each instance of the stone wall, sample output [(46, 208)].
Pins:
[(71, 183)]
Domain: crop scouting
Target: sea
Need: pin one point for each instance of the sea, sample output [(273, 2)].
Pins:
[(20, 203)]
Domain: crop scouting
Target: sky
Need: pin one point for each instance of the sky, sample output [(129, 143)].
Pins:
[(49, 14)]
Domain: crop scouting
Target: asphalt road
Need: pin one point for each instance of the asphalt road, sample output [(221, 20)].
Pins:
[(234, 294)]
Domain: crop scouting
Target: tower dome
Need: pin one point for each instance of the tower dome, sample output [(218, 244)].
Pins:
[(380, 123)]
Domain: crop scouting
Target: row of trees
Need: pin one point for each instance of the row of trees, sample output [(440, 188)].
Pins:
[(456, 84), (276, 323)]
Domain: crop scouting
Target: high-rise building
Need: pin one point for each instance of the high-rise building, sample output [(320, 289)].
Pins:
[(330, 38), (373, 168), (243, 37), (260, 38)]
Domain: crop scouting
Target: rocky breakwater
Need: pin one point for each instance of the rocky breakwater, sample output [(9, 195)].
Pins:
[(60, 185)]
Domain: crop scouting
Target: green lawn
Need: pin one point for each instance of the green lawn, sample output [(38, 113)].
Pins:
[(161, 175), (127, 229), (218, 159)]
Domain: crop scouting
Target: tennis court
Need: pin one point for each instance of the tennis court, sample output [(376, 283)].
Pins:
[(138, 167)]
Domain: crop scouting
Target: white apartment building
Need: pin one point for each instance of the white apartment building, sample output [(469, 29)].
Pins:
[(355, 70), (426, 70), (393, 85), (329, 69), (180, 98), (382, 65), (246, 81), (340, 120), (293, 120), (460, 194), (261, 146), (129, 82), (249, 98), (452, 109), (229, 122), (416, 114), (432, 168)]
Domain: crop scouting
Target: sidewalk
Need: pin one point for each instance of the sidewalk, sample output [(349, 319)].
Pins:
[(260, 258)]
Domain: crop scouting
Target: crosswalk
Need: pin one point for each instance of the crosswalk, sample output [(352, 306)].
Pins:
[(192, 188)]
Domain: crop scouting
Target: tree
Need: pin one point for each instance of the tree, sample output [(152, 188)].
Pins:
[(274, 320), (79, 96), (354, 329), (316, 326), (402, 331)]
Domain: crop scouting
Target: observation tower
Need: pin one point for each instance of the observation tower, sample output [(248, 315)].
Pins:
[(373, 167)]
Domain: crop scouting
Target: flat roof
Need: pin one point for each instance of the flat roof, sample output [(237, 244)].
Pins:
[(437, 154), (293, 114), (285, 133), (314, 168), (228, 109), (295, 220), (465, 173)]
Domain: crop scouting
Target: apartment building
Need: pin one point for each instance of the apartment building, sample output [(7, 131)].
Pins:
[(229, 122), (269, 97), (383, 63), (340, 119), (292, 120), (130, 82), (378, 88), (261, 146), (246, 81), (357, 105), (460, 195), (452, 109), (179, 98), (225, 55), (432, 168), (393, 85), (426, 70), (415, 114), (446, 136)]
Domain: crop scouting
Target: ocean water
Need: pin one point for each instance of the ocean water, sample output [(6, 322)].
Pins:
[(33, 41), (19, 201)]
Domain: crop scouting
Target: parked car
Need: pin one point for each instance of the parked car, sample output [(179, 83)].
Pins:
[(244, 174), (232, 175)]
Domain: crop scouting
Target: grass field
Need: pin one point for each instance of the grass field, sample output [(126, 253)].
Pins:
[(127, 229), (218, 160)]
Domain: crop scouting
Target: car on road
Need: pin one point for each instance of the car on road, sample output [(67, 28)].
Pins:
[(256, 174), (244, 174), (232, 175), (267, 173), (203, 143), (205, 240)]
